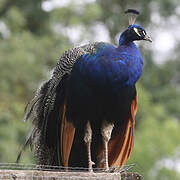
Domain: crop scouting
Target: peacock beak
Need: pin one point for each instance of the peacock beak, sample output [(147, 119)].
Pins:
[(147, 38)]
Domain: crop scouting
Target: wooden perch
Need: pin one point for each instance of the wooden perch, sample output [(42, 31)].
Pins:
[(49, 175)]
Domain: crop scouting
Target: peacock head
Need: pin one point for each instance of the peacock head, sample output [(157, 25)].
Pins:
[(136, 32), (133, 32)]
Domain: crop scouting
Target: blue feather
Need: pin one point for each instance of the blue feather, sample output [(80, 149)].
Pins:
[(110, 66)]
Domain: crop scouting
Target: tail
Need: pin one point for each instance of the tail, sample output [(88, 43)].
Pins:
[(45, 110)]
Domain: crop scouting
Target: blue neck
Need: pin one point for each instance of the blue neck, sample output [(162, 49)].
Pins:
[(121, 40), (125, 39)]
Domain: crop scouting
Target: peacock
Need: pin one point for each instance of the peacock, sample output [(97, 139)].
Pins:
[(84, 115)]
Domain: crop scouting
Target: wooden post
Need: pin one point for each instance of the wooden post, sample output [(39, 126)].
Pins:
[(49, 175)]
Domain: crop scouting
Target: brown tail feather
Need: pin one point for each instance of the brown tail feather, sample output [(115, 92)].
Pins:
[(121, 145), (126, 143), (133, 113), (130, 133), (67, 136)]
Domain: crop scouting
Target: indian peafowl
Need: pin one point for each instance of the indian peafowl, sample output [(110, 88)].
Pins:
[(85, 113)]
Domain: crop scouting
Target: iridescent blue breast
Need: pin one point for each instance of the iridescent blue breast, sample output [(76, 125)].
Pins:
[(110, 67)]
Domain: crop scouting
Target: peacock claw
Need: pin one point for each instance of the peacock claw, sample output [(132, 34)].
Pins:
[(93, 163), (90, 169), (106, 169)]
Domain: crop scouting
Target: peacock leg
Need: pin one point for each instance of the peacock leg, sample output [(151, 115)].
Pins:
[(106, 131), (87, 140)]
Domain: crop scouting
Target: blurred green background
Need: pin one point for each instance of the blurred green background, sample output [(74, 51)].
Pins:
[(33, 35)]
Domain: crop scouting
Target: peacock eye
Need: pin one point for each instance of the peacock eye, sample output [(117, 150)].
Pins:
[(144, 33), (140, 32)]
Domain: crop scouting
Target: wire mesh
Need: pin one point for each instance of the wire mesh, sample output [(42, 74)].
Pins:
[(13, 171)]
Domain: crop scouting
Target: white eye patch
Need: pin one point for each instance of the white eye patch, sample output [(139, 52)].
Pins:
[(136, 31)]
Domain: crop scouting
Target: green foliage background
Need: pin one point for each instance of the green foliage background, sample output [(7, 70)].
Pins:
[(32, 40)]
